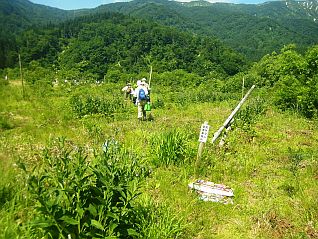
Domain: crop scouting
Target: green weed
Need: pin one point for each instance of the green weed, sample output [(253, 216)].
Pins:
[(248, 116), (89, 105), (169, 148), (81, 198), (5, 123), (295, 157), (158, 104), (159, 221), (86, 193), (3, 82)]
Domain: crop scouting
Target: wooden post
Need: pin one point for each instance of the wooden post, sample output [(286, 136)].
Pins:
[(229, 119), (200, 150), (20, 64), (202, 139)]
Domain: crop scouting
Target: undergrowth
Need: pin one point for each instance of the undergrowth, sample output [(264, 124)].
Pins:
[(136, 185), (75, 196)]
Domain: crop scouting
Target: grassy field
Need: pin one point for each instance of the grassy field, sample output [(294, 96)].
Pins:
[(269, 160)]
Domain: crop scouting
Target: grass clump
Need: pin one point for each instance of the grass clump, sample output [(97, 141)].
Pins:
[(169, 147), (5, 123)]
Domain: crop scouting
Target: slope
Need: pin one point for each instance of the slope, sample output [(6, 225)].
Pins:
[(18, 15), (254, 30)]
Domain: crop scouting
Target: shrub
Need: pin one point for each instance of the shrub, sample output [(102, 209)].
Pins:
[(80, 198), (89, 105), (293, 78), (248, 116), (297, 94)]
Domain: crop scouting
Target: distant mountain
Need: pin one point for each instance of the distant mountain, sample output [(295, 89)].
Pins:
[(96, 43), (16, 15), (283, 9), (252, 29)]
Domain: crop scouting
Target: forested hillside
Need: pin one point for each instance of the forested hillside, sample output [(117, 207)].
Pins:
[(94, 44), (17, 16), (254, 30)]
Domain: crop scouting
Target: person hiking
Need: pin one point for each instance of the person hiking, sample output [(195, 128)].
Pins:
[(144, 81), (128, 90), (141, 93)]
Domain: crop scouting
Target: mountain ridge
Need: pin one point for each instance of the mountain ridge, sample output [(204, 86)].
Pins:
[(252, 29)]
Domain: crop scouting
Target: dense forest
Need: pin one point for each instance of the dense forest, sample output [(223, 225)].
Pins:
[(76, 161), (253, 30)]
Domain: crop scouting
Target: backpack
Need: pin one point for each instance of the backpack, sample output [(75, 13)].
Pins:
[(142, 95)]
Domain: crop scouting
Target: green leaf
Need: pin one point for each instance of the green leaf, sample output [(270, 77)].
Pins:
[(42, 223), (80, 212), (113, 215), (92, 210), (132, 232), (112, 227), (97, 224), (69, 220)]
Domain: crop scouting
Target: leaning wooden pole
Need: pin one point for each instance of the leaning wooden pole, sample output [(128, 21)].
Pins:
[(228, 120)]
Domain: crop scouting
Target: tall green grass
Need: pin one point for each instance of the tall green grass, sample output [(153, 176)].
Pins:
[(269, 159)]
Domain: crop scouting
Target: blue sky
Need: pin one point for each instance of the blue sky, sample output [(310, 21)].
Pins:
[(78, 4)]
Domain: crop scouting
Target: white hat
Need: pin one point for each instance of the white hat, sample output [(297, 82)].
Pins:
[(138, 82), (143, 79)]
